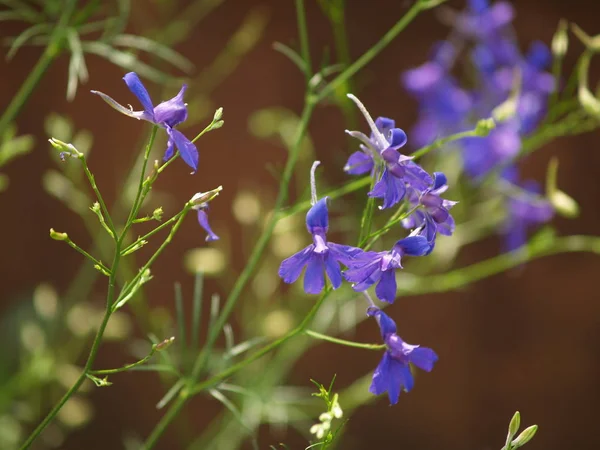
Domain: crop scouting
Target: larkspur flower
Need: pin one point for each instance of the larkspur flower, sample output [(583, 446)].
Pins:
[(199, 202), (382, 147), (526, 208), (167, 115), (433, 215), (321, 256), (484, 21), (368, 268), (393, 372)]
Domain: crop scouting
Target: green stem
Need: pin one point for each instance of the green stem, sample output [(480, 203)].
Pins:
[(441, 142), (86, 254), (92, 182), (304, 43), (458, 278), (344, 342), (372, 52), (127, 366), (154, 231)]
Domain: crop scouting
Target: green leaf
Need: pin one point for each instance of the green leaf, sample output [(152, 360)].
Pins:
[(291, 54), (170, 394), (182, 338), (154, 48), (196, 310), (27, 34), (77, 67)]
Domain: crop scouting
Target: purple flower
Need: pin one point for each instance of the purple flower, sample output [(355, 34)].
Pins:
[(433, 216), (526, 209), (167, 115), (393, 372), (482, 21), (202, 207), (382, 147), (368, 268), (320, 257)]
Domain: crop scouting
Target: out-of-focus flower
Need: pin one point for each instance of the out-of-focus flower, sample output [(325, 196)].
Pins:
[(368, 268), (393, 372), (167, 115)]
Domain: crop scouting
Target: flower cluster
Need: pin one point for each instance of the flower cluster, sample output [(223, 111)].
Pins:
[(398, 181), (499, 71)]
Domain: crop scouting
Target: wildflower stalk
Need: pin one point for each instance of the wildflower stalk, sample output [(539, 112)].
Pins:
[(344, 342)]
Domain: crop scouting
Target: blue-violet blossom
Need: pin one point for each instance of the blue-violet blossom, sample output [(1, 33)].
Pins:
[(393, 372), (368, 268), (382, 146), (200, 203), (167, 115)]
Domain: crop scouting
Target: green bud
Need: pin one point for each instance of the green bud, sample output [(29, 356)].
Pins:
[(218, 114), (513, 427), (58, 236), (484, 127), (588, 102), (65, 149), (201, 198), (134, 248), (527, 435), (218, 124), (96, 208), (564, 204), (101, 270), (99, 382), (158, 213), (164, 344), (560, 40)]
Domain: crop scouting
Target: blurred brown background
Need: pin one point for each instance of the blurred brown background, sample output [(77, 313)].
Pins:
[(527, 340)]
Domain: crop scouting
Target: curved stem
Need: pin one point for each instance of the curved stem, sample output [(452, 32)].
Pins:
[(344, 342)]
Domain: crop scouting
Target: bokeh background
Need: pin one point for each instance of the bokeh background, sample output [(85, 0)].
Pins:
[(526, 340)]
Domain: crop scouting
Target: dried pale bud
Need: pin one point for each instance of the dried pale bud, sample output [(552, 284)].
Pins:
[(164, 344), (560, 40), (200, 199)]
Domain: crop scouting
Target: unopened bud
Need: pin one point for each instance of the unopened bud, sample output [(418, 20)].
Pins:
[(513, 426), (589, 103), (560, 40), (591, 42), (157, 214), (527, 435), (164, 344), (564, 204), (218, 114), (134, 248), (65, 149), (102, 270), (58, 236), (95, 207), (218, 124), (201, 198)]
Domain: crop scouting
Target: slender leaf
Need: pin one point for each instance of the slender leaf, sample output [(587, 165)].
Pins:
[(196, 311), (228, 332), (244, 347), (27, 34), (154, 48), (182, 338), (170, 394), (291, 54), (77, 68)]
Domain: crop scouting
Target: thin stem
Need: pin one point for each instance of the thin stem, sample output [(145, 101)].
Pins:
[(92, 182), (398, 217), (441, 142), (458, 278), (127, 366), (344, 342), (86, 254), (304, 43), (372, 52), (154, 231)]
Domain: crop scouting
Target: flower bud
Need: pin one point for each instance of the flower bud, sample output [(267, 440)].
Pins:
[(591, 42), (200, 199), (157, 214), (513, 426), (588, 102), (65, 149), (164, 344), (218, 114), (484, 127), (560, 40), (525, 436), (58, 236), (134, 248)]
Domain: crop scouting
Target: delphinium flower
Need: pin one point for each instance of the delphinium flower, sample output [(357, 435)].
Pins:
[(167, 115), (393, 374), (321, 256), (200, 203), (432, 213), (484, 21), (526, 208), (380, 151), (368, 268)]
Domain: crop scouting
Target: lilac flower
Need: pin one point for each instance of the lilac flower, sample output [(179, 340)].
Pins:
[(482, 21), (382, 146), (368, 268), (433, 216), (393, 372), (320, 257), (167, 115), (526, 209)]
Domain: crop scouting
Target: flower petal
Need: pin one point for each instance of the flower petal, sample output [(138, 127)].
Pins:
[(332, 268), (396, 137), (136, 86), (203, 221), (423, 357), (291, 268), (386, 288), (413, 246), (314, 278), (188, 151), (172, 112), (317, 217), (345, 254), (170, 151), (386, 324), (359, 163)]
